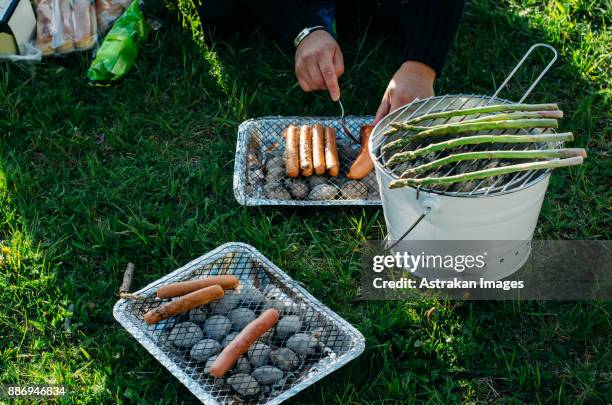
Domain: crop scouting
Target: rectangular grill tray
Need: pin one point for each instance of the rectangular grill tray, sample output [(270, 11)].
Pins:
[(340, 341), (262, 138)]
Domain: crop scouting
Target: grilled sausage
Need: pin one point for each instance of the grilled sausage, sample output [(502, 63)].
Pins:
[(292, 157), (184, 303), (306, 151), (318, 149), (241, 343), (331, 152), (363, 164), (184, 287)]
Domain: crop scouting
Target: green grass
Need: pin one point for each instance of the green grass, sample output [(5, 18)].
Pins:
[(92, 178)]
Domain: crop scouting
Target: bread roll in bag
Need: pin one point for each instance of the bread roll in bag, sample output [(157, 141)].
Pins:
[(44, 26), (107, 11), (84, 24), (63, 36)]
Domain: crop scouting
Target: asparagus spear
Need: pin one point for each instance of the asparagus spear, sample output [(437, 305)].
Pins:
[(492, 117), (482, 110), (474, 126), (481, 174), (401, 157), (495, 154)]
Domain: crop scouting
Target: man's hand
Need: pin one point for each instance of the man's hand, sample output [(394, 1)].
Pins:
[(319, 63), (412, 80)]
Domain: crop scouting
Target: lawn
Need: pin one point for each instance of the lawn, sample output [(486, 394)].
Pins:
[(93, 178)]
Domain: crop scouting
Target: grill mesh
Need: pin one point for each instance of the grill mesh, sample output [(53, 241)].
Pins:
[(261, 147), (491, 186), (320, 340)]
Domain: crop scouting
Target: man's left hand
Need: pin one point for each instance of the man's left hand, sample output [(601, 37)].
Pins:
[(412, 80)]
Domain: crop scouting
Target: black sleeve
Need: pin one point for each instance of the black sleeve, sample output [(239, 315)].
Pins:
[(285, 18), (430, 27)]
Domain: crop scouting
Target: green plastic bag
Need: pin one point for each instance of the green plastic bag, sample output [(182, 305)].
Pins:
[(118, 52)]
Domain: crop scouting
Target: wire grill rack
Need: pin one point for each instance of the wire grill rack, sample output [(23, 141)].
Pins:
[(487, 187), (309, 342), (260, 149), (497, 185)]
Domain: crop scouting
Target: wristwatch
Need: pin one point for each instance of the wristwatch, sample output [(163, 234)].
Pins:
[(305, 32)]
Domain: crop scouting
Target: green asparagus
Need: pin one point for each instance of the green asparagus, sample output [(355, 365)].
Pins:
[(481, 174), (468, 127), (402, 157), (481, 110), (493, 117), (494, 154)]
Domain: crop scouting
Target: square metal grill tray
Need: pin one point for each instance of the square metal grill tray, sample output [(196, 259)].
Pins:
[(262, 138), (339, 341)]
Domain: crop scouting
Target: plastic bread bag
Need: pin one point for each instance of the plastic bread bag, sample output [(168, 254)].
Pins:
[(118, 51), (107, 12), (85, 30), (63, 41), (64, 26), (45, 28)]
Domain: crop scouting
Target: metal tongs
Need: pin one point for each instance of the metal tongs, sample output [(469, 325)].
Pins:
[(345, 127)]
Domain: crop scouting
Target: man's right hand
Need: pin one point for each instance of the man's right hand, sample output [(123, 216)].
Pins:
[(319, 63)]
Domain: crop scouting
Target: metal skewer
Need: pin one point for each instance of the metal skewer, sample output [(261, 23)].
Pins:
[(345, 127)]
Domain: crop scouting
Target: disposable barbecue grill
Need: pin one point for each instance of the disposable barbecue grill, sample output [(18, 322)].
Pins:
[(333, 341), (261, 143)]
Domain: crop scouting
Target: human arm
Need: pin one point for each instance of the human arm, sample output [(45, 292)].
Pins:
[(318, 58), (430, 27)]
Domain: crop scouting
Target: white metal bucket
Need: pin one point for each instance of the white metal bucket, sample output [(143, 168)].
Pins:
[(510, 217)]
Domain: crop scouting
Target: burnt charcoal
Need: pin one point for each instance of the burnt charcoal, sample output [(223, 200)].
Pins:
[(267, 375), (258, 354), (302, 343), (284, 358), (185, 334), (229, 301), (323, 192), (276, 191), (354, 190), (287, 326), (198, 315), (242, 366), (217, 327), (244, 384), (240, 318), (205, 349), (298, 188)]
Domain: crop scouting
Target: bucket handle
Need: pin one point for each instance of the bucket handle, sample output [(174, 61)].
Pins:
[(518, 66), (414, 224)]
